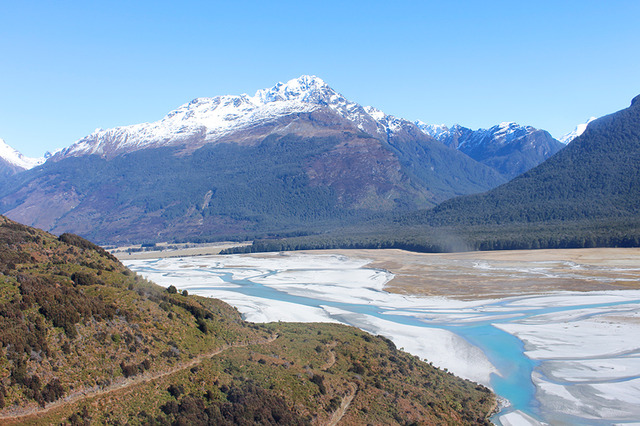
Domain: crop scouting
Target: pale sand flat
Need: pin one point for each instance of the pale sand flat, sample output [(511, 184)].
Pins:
[(496, 274)]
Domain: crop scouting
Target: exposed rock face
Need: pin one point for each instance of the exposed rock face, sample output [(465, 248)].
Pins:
[(509, 148)]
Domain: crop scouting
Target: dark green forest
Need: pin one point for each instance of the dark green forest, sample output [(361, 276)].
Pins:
[(587, 195), (283, 185)]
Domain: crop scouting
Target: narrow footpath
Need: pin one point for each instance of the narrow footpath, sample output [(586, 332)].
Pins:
[(124, 383)]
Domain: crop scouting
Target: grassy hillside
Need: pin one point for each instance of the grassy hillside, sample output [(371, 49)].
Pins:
[(85, 340)]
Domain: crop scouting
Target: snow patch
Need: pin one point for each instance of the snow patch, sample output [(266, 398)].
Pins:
[(579, 130), (213, 118), (17, 159)]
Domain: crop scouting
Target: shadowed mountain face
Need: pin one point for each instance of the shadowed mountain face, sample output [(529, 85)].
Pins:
[(508, 148), (587, 195), (596, 177), (296, 157)]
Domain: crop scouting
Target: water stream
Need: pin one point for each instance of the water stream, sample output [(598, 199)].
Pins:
[(478, 324)]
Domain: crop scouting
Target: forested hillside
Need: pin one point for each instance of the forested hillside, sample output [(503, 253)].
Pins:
[(596, 177), (587, 195), (281, 184)]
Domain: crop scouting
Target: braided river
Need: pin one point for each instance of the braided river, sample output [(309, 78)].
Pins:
[(553, 352)]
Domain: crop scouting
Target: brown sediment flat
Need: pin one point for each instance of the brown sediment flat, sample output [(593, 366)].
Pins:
[(122, 253), (490, 274)]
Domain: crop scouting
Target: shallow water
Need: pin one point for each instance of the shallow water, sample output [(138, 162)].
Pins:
[(340, 290)]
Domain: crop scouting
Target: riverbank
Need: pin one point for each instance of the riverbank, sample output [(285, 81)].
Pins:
[(166, 250), (574, 312)]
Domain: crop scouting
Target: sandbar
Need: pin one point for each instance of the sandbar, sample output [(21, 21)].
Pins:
[(499, 274)]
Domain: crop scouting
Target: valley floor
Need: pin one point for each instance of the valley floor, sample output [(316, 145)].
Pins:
[(553, 331), (489, 274), (460, 275)]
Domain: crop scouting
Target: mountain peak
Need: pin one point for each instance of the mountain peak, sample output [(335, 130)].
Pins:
[(436, 131), (206, 120), (16, 158), (580, 128), (303, 88)]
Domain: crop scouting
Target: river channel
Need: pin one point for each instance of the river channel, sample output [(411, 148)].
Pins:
[(561, 357)]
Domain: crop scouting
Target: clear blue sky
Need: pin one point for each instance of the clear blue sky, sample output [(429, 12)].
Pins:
[(68, 67)]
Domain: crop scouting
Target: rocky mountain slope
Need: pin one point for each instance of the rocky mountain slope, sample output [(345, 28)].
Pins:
[(509, 148), (298, 156), (84, 340), (12, 161)]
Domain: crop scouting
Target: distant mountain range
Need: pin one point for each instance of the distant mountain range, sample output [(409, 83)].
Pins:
[(12, 161), (597, 175), (509, 148), (587, 195), (296, 156)]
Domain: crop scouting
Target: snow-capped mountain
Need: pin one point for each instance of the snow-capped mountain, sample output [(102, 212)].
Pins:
[(508, 147), (580, 128), (294, 156), (436, 131), (464, 138), (206, 120), (279, 110), (16, 159)]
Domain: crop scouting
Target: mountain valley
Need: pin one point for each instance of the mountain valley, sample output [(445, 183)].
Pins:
[(298, 158)]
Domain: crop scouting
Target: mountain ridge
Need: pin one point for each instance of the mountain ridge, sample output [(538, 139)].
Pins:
[(13, 162), (300, 165), (213, 119), (508, 147), (596, 176)]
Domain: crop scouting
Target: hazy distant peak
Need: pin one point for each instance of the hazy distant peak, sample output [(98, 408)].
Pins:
[(16, 158), (580, 128)]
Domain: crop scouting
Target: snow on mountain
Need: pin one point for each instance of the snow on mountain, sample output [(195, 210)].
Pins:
[(210, 119), (436, 131), (580, 128), (388, 122), (17, 159), (502, 133), (463, 138), (508, 147)]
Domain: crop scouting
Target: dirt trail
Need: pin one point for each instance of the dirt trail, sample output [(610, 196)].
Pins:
[(346, 402), (332, 357), (123, 384)]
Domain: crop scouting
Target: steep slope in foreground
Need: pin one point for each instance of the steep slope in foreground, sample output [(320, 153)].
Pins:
[(596, 177), (293, 158), (85, 340)]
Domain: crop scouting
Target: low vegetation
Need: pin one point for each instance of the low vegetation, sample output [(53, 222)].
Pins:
[(85, 340)]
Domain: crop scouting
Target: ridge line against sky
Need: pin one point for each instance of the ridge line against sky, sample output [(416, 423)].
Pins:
[(70, 67)]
